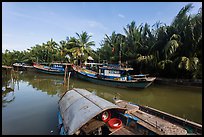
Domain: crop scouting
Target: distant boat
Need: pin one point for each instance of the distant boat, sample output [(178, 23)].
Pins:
[(84, 113), (18, 66), (54, 68), (28, 68), (114, 76), (22, 67)]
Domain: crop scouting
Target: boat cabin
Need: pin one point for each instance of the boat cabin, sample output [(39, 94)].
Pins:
[(92, 66), (60, 66), (83, 113), (114, 72)]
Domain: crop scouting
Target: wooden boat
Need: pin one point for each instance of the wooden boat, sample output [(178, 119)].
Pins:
[(157, 120), (28, 68), (54, 68), (84, 113), (6, 67), (114, 76), (22, 67), (18, 66)]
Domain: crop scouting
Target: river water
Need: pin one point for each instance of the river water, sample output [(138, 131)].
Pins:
[(30, 100)]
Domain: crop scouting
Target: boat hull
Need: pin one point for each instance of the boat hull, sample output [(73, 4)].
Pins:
[(114, 83), (50, 72), (18, 68)]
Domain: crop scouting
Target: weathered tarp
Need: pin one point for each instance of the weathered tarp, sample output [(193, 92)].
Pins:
[(78, 106)]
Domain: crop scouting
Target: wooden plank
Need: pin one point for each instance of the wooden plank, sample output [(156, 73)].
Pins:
[(160, 124), (130, 108), (151, 128), (122, 131)]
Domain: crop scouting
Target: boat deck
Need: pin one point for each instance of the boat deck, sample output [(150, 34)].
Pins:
[(154, 123), (124, 130), (94, 124)]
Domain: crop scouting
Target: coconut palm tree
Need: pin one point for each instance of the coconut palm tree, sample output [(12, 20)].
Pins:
[(62, 48), (81, 47), (51, 49)]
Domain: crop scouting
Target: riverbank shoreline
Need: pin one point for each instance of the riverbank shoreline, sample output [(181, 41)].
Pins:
[(180, 82)]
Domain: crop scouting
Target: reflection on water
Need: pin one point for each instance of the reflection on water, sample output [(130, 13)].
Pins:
[(7, 96), (30, 100)]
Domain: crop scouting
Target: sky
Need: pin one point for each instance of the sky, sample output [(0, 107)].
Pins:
[(25, 24)]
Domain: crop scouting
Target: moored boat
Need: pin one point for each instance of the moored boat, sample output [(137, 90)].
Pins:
[(28, 68), (114, 76), (158, 120), (18, 66), (84, 113), (54, 68), (23, 67)]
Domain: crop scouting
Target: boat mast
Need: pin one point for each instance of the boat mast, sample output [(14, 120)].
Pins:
[(120, 56)]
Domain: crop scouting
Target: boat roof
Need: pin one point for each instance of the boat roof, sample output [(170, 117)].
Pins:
[(54, 63), (93, 63), (57, 63), (115, 68), (78, 106)]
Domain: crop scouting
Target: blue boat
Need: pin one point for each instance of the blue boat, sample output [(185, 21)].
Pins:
[(114, 76), (83, 113), (54, 68)]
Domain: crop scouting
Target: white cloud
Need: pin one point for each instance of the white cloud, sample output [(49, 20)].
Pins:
[(121, 16)]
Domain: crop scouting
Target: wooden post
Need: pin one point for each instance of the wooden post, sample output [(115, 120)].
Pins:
[(68, 80), (65, 74), (120, 61)]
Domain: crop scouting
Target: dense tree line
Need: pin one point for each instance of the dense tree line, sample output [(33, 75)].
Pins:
[(169, 51), (67, 50), (173, 50)]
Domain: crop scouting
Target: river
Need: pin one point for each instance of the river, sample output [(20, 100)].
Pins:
[(30, 100)]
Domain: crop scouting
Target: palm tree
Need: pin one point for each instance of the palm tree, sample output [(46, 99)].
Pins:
[(81, 46), (112, 45), (51, 48), (6, 58), (133, 40), (62, 47)]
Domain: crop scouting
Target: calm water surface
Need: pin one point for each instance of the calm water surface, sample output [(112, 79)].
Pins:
[(30, 100)]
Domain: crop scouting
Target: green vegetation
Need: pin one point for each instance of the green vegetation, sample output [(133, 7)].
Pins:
[(173, 51)]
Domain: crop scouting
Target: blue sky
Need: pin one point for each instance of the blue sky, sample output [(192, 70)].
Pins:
[(25, 24)]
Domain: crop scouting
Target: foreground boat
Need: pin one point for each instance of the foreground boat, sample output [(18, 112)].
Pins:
[(54, 68), (158, 120), (83, 113), (114, 76)]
